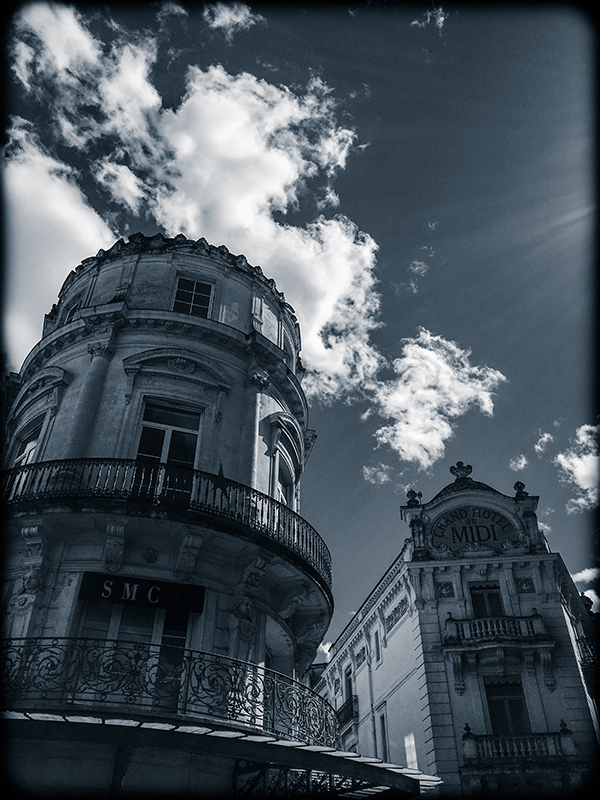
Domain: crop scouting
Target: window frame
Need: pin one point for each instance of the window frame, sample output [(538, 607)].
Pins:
[(495, 722), (168, 428), (195, 280)]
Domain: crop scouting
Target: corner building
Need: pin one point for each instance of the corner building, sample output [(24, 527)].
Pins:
[(473, 657), (163, 597)]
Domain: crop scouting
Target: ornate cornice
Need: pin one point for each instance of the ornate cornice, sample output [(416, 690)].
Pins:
[(138, 244), (360, 618)]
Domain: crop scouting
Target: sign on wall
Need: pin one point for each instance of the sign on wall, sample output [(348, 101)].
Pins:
[(471, 525), (141, 592)]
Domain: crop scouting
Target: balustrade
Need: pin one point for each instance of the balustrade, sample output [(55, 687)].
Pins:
[(161, 682), (164, 486), (521, 747), (471, 631)]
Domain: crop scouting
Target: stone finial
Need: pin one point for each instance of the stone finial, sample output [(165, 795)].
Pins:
[(461, 471), (520, 493), (412, 496)]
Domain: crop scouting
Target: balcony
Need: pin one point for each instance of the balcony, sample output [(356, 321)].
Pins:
[(494, 629), (155, 487), (348, 711), (165, 684)]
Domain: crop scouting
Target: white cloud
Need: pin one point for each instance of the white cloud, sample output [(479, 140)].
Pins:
[(230, 18), (50, 228), (378, 474), (435, 383), (593, 595), (542, 443), (579, 467), (544, 527), (323, 652), (518, 463), (587, 575), (438, 16), (419, 267)]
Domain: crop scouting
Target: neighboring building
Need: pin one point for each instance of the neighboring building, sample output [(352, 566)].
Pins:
[(163, 598), (472, 658)]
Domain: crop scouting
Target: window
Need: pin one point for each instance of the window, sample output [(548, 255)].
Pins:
[(27, 446), (377, 647), (72, 311), (486, 601), (506, 705), (285, 484), (169, 436), (192, 297), (348, 682)]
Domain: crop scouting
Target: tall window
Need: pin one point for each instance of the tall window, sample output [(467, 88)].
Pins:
[(28, 444), (377, 647), (507, 708), (285, 484), (348, 682), (192, 297), (169, 436), (486, 601)]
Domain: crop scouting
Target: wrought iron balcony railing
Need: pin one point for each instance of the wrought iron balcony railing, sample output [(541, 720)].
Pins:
[(348, 710), (521, 747), (473, 631), (164, 486), (161, 682)]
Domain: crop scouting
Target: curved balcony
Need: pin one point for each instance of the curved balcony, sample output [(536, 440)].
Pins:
[(162, 683), (157, 486)]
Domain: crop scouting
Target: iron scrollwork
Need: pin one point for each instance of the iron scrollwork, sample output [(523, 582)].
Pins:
[(162, 681)]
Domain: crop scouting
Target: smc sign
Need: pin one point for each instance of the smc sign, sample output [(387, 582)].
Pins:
[(141, 592)]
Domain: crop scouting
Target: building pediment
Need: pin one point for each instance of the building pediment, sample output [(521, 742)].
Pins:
[(469, 518)]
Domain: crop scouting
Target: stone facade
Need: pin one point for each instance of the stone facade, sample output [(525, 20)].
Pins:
[(472, 658)]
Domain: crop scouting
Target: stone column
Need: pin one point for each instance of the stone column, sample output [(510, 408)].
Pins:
[(257, 380), (77, 442)]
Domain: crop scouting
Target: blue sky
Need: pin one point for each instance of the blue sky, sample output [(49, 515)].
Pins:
[(417, 179)]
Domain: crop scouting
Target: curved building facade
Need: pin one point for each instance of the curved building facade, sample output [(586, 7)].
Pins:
[(163, 596)]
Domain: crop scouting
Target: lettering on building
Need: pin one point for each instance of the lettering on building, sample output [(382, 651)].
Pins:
[(141, 592), (471, 525)]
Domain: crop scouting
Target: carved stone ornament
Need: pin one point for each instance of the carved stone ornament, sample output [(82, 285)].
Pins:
[(414, 498), (258, 378), (525, 586), (445, 590), (461, 471), (520, 493), (100, 349), (186, 558), (181, 365), (114, 547)]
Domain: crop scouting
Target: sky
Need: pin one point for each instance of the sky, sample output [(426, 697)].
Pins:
[(417, 179)]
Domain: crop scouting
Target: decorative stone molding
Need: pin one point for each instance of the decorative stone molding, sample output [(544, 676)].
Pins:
[(457, 672), (254, 573), (186, 558), (258, 378), (115, 546), (33, 568), (102, 349), (294, 600), (548, 669)]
